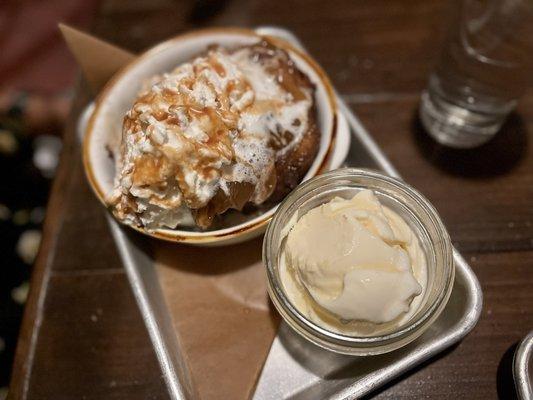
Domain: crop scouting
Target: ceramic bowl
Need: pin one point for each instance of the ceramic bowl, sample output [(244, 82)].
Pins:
[(103, 131)]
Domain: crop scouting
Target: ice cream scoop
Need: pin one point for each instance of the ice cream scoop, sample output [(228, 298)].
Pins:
[(353, 260)]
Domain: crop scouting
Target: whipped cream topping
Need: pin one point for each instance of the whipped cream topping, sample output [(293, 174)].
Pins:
[(353, 262), (206, 136)]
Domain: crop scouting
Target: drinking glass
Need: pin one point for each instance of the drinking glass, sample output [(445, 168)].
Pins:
[(485, 66)]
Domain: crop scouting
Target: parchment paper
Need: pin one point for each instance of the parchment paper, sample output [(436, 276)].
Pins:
[(219, 305)]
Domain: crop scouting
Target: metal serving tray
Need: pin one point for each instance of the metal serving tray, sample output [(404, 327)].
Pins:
[(296, 369)]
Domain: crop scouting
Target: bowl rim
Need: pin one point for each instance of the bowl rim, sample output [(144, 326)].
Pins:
[(176, 235)]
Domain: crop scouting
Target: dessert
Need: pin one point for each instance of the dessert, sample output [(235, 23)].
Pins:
[(353, 266), (229, 129)]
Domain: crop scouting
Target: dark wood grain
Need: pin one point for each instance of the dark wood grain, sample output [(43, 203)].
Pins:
[(83, 336), (101, 351)]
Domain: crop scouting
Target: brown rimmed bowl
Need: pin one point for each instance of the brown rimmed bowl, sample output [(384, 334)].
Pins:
[(103, 132)]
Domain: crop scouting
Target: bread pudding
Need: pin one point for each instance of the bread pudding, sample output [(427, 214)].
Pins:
[(229, 129)]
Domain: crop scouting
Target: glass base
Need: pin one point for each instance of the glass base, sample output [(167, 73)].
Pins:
[(455, 126)]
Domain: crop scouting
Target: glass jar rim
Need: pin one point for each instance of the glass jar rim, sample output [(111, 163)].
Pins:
[(314, 331)]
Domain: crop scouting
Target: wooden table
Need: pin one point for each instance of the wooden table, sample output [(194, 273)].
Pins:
[(83, 336)]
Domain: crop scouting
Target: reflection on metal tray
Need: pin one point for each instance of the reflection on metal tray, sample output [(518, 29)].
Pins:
[(295, 368), (523, 368)]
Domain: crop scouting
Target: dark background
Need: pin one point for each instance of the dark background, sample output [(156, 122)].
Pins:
[(36, 78)]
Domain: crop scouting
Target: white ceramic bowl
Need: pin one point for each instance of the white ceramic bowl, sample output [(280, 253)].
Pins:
[(103, 131)]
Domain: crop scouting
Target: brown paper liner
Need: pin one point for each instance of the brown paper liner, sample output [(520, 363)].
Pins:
[(219, 306), (97, 59), (216, 297)]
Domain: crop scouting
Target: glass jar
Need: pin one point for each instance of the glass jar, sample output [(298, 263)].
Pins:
[(409, 204)]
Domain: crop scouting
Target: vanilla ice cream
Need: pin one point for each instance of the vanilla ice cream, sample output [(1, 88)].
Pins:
[(353, 263)]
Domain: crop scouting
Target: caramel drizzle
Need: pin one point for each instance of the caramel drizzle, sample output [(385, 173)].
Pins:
[(163, 167)]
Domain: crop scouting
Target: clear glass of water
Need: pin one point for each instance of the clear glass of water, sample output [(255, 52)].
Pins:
[(485, 66)]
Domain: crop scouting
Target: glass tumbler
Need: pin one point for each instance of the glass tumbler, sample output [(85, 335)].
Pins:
[(485, 66)]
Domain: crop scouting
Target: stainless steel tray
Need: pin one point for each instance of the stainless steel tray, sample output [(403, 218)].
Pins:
[(523, 368), (296, 369)]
